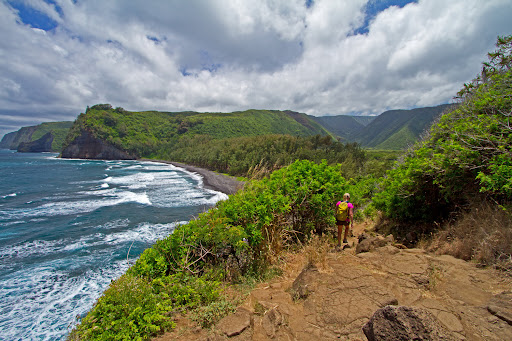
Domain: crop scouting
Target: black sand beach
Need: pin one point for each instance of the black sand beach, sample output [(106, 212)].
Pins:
[(211, 180)]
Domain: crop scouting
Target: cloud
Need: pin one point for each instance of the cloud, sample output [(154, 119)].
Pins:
[(320, 57)]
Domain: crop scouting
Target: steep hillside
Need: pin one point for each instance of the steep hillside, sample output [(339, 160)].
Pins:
[(153, 134), (397, 129), (28, 135), (343, 126)]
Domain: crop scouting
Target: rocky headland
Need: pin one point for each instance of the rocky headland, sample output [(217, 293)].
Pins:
[(86, 146)]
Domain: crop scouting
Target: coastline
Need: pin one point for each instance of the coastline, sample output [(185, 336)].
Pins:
[(211, 180)]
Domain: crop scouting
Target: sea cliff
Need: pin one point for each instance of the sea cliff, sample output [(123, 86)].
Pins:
[(86, 146)]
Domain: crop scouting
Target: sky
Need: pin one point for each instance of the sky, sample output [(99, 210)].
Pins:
[(320, 57)]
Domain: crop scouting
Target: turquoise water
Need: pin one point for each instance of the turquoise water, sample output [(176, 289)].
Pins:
[(68, 227)]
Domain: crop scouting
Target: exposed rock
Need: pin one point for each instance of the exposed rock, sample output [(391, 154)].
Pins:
[(501, 306), (271, 322), (86, 146), (367, 243), (302, 286), (237, 323), (404, 323), (43, 144)]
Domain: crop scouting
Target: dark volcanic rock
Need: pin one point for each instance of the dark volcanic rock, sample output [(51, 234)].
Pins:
[(87, 146), (43, 144), (397, 323)]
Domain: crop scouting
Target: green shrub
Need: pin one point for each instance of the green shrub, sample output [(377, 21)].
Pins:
[(128, 310), (465, 157)]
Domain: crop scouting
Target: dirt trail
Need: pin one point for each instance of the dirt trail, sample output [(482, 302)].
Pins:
[(338, 296)]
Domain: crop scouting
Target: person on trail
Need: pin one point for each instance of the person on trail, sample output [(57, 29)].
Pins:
[(344, 217)]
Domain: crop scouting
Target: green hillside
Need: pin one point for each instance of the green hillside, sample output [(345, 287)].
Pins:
[(397, 129), (343, 126), (391, 130), (152, 134), (59, 131), (364, 120)]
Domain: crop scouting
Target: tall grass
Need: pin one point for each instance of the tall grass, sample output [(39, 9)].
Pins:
[(483, 234)]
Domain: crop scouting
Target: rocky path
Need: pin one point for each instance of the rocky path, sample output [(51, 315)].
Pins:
[(335, 299)]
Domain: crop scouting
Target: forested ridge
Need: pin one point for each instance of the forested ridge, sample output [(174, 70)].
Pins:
[(152, 133), (461, 172), (252, 143)]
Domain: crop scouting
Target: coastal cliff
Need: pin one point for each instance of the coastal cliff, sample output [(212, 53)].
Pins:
[(7, 140), (43, 144), (86, 146), (45, 137)]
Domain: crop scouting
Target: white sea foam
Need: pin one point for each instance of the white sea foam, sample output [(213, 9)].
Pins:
[(41, 302), (40, 247), (144, 232), (10, 223), (52, 300), (118, 223), (115, 197), (9, 196)]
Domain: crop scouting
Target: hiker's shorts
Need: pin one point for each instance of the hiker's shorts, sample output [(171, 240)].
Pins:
[(344, 222)]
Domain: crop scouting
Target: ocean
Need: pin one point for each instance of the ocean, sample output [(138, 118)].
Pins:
[(69, 227)]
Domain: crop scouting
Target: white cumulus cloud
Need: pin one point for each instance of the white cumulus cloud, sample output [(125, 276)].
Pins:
[(227, 55)]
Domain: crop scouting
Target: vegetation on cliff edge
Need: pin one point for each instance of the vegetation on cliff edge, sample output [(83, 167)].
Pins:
[(464, 161), (238, 238)]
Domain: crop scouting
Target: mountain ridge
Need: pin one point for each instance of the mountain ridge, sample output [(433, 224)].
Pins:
[(391, 130)]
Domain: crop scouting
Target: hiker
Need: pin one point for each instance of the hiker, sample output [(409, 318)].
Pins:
[(344, 217)]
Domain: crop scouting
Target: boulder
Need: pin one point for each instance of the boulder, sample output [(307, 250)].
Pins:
[(271, 322), (401, 323), (367, 243), (501, 306), (237, 323), (303, 284)]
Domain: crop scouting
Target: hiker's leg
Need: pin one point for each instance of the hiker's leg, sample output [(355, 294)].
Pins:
[(340, 229), (347, 228)]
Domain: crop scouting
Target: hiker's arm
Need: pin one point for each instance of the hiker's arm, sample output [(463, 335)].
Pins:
[(351, 215)]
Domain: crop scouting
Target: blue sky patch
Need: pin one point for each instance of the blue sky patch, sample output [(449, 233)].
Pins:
[(154, 39), (34, 18), (374, 7)]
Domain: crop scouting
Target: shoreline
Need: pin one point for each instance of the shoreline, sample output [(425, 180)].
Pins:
[(211, 180)]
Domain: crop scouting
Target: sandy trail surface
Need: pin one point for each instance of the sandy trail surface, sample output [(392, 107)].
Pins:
[(344, 289)]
